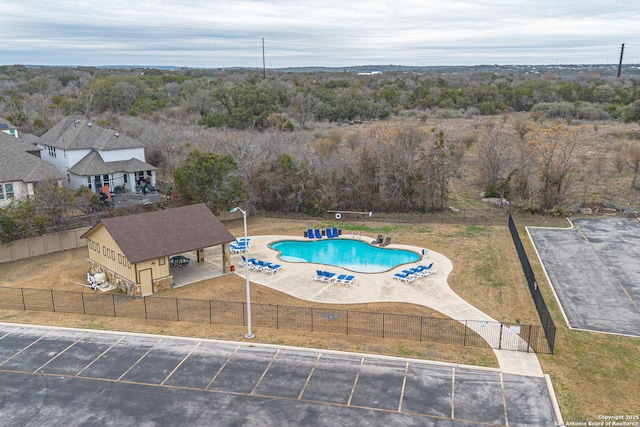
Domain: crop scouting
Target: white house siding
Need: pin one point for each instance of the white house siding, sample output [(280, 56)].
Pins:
[(122, 154)]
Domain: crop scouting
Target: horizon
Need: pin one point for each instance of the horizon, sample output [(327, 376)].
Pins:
[(215, 34)]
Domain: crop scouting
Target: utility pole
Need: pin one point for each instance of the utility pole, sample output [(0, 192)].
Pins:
[(620, 63), (264, 67)]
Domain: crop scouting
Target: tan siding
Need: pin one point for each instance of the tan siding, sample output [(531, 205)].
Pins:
[(158, 271), (104, 250)]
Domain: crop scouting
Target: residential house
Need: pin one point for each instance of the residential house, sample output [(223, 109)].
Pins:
[(20, 169), (134, 251), (91, 156), (8, 129)]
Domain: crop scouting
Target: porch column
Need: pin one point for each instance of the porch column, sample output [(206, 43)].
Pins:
[(226, 258)]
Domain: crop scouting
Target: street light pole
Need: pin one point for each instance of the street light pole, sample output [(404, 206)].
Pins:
[(246, 271)]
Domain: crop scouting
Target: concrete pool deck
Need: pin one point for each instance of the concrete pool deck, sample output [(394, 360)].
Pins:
[(297, 279)]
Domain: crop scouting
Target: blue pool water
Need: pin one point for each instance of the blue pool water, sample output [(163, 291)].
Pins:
[(354, 255)]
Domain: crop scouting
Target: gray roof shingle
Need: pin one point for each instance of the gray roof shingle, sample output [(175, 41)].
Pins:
[(93, 164), (156, 234), (17, 164), (77, 133)]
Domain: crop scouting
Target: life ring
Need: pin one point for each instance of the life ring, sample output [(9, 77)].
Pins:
[(338, 216)]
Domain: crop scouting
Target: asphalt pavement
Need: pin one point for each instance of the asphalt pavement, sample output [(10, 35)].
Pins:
[(71, 377)]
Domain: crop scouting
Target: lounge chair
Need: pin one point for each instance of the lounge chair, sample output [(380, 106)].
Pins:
[(404, 277), (254, 264), (410, 273), (346, 280), (328, 276), (240, 241), (238, 249), (264, 265), (427, 269), (329, 233), (386, 242), (417, 272), (319, 276), (273, 268), (246, 262), (317, 233), (340, 278), (379, 240), (336, 232), (310, 233)]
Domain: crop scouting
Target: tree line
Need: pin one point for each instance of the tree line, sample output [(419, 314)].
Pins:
[(281, 143), (34, 99)]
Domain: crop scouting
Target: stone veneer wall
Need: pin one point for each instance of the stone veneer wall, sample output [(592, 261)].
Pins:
[(126, 285)]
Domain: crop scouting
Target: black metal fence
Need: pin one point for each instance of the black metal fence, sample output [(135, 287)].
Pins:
[(541, 306), (372, 324)]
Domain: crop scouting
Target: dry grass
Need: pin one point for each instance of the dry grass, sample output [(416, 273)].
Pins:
[(593, 373)]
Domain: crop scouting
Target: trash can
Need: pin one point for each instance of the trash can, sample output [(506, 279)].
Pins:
[(233, 268)]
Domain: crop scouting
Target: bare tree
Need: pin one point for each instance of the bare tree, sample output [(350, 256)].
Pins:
[(553, 149), (496, 160)]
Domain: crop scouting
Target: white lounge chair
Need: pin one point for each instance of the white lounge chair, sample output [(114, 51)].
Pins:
[(273, 268)]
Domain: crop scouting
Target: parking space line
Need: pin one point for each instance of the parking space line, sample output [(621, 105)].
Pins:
[(24, 349), (404, 383), (181, 362), (306, 383), (62, 352), (9, 333), (265, 371), (453, 393), (222, 367), (504, 400), (355, 382), (99, 356), (138, 361)]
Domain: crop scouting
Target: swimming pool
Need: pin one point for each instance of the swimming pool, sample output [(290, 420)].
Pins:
[(354, 255)]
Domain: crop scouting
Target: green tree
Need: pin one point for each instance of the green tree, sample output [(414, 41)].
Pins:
[(209, 178)]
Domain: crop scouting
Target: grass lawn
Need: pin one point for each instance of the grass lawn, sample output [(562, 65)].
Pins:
[(593, 374)]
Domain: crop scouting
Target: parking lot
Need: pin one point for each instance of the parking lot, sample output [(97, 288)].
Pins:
[(594, 269), (72, 377)]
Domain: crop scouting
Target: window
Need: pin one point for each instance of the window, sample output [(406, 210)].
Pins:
[(161, 261), (6, 191), (52, 151)]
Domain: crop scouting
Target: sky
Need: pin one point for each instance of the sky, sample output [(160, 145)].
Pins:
[(325, 33)]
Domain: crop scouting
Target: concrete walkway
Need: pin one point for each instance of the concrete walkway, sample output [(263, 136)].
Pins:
[(296, 279)]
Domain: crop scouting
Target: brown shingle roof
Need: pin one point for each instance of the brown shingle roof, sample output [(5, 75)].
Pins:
[(156, 234)]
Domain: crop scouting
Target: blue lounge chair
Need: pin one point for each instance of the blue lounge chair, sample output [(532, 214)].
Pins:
[(310, 233), (317, 233), (273, 268), (254, 264), (328, 276), (264, 265), (240, 241), (403, 277), (426, 270), (346, 280), (319, 276), (237, 249), (410, 273), (336, 232), (329, 233)]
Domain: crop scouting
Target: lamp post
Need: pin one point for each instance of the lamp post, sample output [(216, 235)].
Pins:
[(246, 271)]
